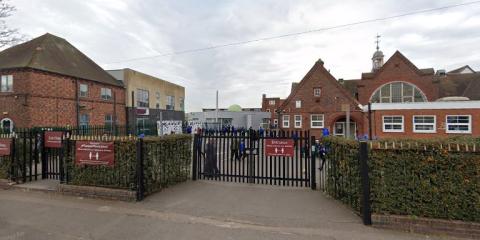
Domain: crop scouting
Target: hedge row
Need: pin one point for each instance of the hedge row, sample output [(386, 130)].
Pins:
[(426, 180), (427, 183), (167, 161), (122, 175), (342, 171), (5, 163)]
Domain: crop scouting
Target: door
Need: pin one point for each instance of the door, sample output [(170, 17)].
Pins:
[(340, 129)]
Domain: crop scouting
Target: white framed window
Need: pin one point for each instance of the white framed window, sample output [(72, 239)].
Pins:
[(424, 124), (317, 92), (106, 93), (459, 124), (298, 104), (316, 121), (275, 122), (286, 121), (298, 121), (398, 92), (83, 90), (393, 124), (271, 102), (6, 83), (268, 110)]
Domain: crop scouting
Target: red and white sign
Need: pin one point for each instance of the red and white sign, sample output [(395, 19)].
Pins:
[(279, 147), (5, 147), (94, 153), (53, 139)]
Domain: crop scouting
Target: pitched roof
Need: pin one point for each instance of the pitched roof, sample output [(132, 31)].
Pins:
[(464, 69), (398, 54), (318, 66), (351, 86), (54, 54), (460, 85)]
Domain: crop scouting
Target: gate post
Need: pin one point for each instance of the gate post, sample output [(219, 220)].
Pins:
[(44, 156), (313, 165), (140, 176), (195, 157), (61, 159), (366, 211), (13, 174)]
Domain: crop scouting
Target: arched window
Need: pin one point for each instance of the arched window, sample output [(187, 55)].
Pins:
[(397, 92), (6, 125)]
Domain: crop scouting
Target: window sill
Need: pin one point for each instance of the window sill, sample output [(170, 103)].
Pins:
[(393, 131)]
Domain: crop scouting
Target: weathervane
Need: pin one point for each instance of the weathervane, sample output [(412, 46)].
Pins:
[(378, 41)]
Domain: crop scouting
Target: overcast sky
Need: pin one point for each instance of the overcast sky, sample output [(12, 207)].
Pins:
[(110, 31)]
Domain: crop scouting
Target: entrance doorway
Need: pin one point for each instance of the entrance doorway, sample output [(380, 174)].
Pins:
[(340, 129), (6, 125)]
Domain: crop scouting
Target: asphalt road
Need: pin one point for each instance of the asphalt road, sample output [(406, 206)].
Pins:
[(193, 210)]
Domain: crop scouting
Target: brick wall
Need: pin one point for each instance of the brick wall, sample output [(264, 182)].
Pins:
[(398, 68), (267, 107), (330, 102), (408, 122), (47, 99)]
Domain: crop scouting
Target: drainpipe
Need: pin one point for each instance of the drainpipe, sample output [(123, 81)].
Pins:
[(77, 104), (114, 113)]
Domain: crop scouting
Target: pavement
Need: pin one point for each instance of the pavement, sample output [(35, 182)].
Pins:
[(192, 210)]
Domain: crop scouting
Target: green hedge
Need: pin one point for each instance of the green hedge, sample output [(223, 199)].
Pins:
[(122, 175), (423, 179), (167, 161), (342, 174), (5, 163), (428, 183)]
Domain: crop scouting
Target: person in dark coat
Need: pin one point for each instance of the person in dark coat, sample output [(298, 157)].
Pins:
[(210, 167), (234, 148)]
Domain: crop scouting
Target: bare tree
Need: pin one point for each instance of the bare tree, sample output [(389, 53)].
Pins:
[(8, 36)]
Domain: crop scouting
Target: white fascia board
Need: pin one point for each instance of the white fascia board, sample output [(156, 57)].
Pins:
[(424, 105)]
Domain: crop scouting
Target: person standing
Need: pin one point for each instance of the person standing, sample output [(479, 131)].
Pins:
[(234, 148), (210, 166)]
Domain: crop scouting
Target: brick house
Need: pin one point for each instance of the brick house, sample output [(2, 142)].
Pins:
[(48, 82), (405, 101)]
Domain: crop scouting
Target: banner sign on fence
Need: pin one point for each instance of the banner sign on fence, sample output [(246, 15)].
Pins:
[(5, 147), (94, 153), (279, 147), (53, 139)]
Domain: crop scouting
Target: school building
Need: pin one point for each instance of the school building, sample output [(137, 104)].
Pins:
[(404, 101)]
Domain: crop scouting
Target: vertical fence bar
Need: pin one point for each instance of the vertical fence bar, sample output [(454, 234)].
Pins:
[(30, 155), (35, 154), (13, 175), (44, 156), (24, 167), (313, 167), (195, 157), (140, 176), (366, 211)]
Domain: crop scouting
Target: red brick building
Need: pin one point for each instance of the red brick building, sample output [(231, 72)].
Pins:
[(48, 82), (406, 101)]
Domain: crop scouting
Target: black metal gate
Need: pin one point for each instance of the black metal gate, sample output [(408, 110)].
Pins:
[(241, 157), (31, 160), (53, 159)]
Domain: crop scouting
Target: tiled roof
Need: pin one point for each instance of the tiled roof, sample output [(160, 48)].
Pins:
[(461, 85), (54, 54)]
